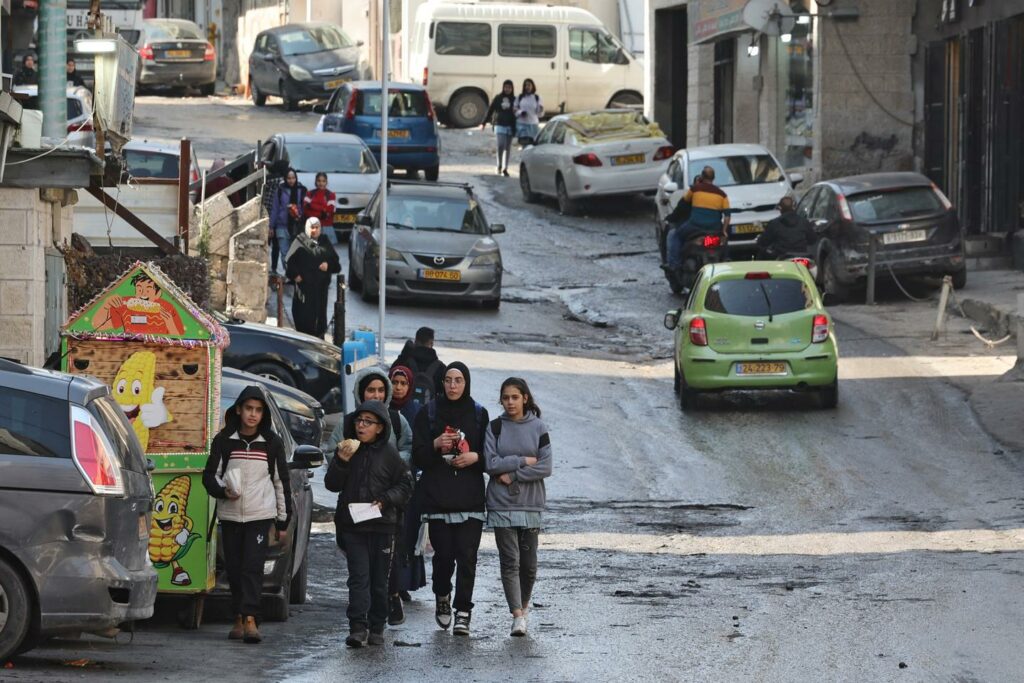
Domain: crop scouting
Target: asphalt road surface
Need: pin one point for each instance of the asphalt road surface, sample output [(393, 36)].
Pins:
[(762, 539)]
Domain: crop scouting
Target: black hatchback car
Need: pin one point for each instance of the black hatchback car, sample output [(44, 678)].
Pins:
[(914, 226), (303, 62), (76, 502)]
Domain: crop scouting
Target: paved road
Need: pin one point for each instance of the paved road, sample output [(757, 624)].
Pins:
[(762, 539)]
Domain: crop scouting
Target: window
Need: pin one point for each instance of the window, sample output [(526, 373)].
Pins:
[(442, 214), (596, 47), (796, 61), (151, 164), (401, 103), (823, 203), (74, 108), (173, 30), (558, 134), (758, 297), (314, 157), (545, 135), (895, 204), (261, 43), (314, 39), (526, 41), (459, 38), (32, 425), (806, 204), (748, 169)]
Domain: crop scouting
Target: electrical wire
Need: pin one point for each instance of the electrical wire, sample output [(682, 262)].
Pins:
[(864, 85), (53, 149), (902, 288)]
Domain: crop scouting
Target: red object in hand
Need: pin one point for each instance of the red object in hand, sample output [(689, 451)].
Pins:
[(461, 446), (293, 210)]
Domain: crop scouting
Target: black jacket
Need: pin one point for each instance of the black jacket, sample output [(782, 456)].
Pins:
[(418, 358), (502, 111), (375, 473), (790, 233)]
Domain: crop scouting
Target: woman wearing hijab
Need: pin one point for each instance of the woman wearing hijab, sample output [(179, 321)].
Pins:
[(311, 262), (286, 212), (529, 109), (502, 116), (275, 176), (447, 444), (402, 381)]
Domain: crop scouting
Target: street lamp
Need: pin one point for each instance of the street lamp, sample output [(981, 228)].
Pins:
[(96, 45)]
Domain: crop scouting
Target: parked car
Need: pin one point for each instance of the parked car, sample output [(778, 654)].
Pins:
[(79, 113), (303, 62), (439, 246), (76, 501), (413, 141), (751, 178), (352, 171), (286, 568), (592, 154), (754, 325), (303, 414), (286, 356), (463, 51), (144, 159), (175, 53), (914, 225)]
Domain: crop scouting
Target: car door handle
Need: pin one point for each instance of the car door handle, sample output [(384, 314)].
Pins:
[(553, 65)]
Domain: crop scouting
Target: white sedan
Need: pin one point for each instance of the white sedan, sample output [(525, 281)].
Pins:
[(590, 154)]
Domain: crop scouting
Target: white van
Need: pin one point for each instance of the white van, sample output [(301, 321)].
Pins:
[(463, 53)]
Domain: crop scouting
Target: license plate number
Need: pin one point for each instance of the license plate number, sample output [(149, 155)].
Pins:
[(178, 54), (331, 85), (760, 368), (345, 218), (394, 133), (143, 527), (747, 228), (904, 236), (626, 159), (450, 275)]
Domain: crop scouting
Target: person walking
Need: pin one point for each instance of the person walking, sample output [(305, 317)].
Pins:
[(428, 371), (502, 115), (286, 220), (247, 472), (529, 110), (447, 443), (373, 473), (310, 264), (517, 450), (319, 203), (788, 234), (272, 181), (709, 214)]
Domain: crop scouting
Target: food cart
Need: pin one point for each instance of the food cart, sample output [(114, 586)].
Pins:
[(161, 356)]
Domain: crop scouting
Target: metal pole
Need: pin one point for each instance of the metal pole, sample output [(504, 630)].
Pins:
[(1020, 331), (339, 311), (184, 176), (940, 318), (53, 78), (280, 300), (382, 254), (871, 270), (309, 10)]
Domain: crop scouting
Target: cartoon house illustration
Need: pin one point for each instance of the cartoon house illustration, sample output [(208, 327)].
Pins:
[(161, 356)]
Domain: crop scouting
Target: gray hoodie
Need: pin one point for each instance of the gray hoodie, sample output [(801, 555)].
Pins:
[(403, 444), (507, 454)]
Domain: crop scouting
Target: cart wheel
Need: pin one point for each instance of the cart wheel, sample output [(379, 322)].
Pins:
[(190, 617)]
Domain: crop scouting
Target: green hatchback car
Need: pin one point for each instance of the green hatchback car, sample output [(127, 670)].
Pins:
[(754, 325)]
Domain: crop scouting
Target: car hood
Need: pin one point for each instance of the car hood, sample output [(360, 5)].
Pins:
[(344, 184), (746, 197), (346, 56), (285, 332), (437, 242)]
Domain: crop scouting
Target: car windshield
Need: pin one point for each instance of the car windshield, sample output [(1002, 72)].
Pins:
[(758, 297), (173, 31), (151, 164), (400, 103), (314, 157), (894, 204), (741, 169), (448, 214), (313, 39)]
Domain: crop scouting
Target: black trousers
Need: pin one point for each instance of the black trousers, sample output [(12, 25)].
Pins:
[(369, 563), (455, 545), (245, 551)]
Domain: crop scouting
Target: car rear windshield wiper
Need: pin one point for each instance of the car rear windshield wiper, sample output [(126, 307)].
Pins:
[(401, 226), (767, 300)]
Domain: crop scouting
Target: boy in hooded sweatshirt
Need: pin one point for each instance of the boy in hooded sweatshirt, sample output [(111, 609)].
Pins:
[(371, 472), (248, 473)]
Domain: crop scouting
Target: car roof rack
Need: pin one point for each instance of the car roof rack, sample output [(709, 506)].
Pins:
[(431, 183), (11, 365)]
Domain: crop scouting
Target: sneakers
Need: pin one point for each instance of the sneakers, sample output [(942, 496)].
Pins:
[(461, 624), (518, 626), (238, 630), (376, 639), (357, 637), (396, 614), (250, 632), (443, 612)]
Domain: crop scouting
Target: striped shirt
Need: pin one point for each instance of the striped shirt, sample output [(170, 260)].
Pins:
[(709, 204)]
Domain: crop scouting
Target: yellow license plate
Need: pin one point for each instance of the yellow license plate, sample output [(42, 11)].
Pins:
[(345, 217), (747, 228), (625, 159), (178, 53), (451, 275), (331, 85), (403, 134), (760, 368)]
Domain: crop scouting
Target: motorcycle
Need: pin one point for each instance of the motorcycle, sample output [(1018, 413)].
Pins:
[(698, 251), (801, 257)]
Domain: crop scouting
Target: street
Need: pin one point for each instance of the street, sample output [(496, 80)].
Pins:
[(761, 539)]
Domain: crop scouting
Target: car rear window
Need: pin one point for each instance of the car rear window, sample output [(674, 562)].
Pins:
[(444, 214), (740, 169), (151, 164), (33, 425), (894, 204), (172, 31), (402, 103), (314, 157), (74, 108), (119, 432), (773, 296)]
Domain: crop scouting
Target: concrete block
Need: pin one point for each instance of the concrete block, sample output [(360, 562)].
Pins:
[(18, 331), (251, 315), (13, 226), (16, 297), (18, 262), (248, 284), (11, 198), (218, 294)]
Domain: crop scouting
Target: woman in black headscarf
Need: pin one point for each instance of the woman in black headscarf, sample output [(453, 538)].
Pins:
[(286, 220), (311, 262), (447, 443)]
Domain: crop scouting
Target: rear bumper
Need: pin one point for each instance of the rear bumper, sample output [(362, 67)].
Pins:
[(475, 284), (814, 366), (941, 260), (417, 157), (178, 73), (583, 181)]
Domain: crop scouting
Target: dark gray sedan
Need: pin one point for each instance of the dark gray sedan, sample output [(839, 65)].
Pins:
[(175, 53)]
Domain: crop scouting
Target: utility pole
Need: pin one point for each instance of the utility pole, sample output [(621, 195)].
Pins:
[(385, 107), (53, 57)]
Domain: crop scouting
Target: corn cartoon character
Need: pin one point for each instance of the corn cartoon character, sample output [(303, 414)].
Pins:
[(171, 535), (141, 401)]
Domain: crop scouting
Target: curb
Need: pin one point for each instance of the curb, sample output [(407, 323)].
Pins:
[(997, 321)]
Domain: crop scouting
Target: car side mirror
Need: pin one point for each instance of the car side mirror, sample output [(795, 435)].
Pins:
[(671, 188), (497, 228), (306, 457), (364, 219), (672, 319), (320, 108), (796, 178)]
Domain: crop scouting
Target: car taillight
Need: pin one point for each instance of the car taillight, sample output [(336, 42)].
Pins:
[(430, 107), (209, 54), (664, 153), (698, 332), (80, 127), (588, 159), (819, 332), (94, 455), (350, 110), (194, 176), (758, 276), (146, 53), (426, 75), (844, 208), (805, 262), (712, 241), (942, 197)]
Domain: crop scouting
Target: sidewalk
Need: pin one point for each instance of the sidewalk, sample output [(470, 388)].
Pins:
[(982, 372)]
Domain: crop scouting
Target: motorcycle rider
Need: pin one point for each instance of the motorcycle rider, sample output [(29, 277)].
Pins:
[(709, 214), (790, 234)]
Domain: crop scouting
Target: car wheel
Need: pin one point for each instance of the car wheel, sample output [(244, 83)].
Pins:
[(258, 98), (300, 582), (277, 607), (529, 196), (960, 279), (370, 286), (829, 395), (208, 89), (833, 290), (687, 397), (432, 172), (566, 206), (272, 371), (624, 100), (467, 109), (15, 616)]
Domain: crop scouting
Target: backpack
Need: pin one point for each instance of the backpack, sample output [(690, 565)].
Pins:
[(424, 385), (496, 428), (396, 424)]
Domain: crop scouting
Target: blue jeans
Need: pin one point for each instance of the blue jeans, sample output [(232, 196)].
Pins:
[(284, 243)]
